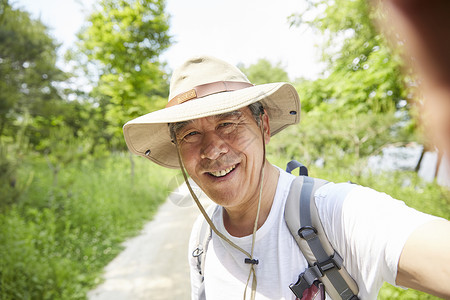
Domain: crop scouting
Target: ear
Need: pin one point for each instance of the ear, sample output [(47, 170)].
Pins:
[(266, 124)]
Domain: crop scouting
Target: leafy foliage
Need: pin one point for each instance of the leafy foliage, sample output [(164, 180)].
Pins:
[(359, 104), (264, 72), (64, 206), (31, 96), (120, 51), (28, 74), (363, 74), (55, 242), (338, 140)]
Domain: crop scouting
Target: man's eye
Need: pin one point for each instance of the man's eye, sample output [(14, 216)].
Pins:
[(227, 127), (190, 136), (226, 124), (191, 133)]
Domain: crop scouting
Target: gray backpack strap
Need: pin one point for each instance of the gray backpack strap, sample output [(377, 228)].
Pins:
[(326, 265), (293, 164), (203, 237)]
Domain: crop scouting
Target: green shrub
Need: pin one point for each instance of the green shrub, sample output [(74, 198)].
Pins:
[(55, 242)]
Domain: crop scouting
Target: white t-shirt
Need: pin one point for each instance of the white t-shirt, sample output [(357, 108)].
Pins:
[(367, 228)]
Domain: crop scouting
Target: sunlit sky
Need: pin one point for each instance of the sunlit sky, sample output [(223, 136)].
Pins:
[(238, 31)]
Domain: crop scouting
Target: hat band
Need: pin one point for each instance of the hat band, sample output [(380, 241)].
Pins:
[(207, 89)]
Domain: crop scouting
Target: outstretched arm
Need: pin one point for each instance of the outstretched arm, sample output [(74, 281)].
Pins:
[(425, 260)]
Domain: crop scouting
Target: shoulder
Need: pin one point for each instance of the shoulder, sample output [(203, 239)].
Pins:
[(353, 196), (356, 200), (200, 225), (331, 196)]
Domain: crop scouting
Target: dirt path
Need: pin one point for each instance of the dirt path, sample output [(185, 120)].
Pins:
[(154, 264)]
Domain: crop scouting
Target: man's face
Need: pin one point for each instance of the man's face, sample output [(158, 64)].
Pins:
[(223, 154)]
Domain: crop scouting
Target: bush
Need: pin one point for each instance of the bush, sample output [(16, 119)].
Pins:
[(11, 188), (55, 242)]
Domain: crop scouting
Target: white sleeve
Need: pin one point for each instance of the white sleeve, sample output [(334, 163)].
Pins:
[(196, 278), (368, 229)]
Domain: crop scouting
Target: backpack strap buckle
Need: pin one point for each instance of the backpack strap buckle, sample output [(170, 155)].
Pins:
[(325, 264), (334, 261), (305, 281), (313, 274)]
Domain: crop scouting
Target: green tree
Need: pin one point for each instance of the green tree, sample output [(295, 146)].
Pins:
[(358, 104), (120, 52), (28, 72), (338, 140), (364, 75), (264, 72), (31, 97)]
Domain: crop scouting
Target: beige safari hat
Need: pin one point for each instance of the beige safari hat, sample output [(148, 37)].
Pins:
[(204, 86)]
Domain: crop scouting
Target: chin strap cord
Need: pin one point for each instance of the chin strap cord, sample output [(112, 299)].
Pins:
[(250, 260), (253, 261), (202, 210)]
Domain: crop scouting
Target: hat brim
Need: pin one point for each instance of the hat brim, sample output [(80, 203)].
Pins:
[(149, 136)]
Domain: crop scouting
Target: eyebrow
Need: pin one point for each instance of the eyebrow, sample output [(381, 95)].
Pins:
[(176, 127), (234, 113)]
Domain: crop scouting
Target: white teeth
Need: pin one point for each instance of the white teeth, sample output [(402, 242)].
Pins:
[(222, 172)]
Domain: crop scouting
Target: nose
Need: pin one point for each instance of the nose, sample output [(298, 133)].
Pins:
[(213, 146)]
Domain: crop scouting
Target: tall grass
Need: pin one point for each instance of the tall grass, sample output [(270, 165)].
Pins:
[(56, 240)]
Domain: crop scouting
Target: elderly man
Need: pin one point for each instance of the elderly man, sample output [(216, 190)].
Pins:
[(215, 128)]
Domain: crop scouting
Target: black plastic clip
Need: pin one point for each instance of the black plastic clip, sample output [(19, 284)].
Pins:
[(251, 261), (334, 261)]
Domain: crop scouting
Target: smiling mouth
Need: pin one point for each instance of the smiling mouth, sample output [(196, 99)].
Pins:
[(222, 173)]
